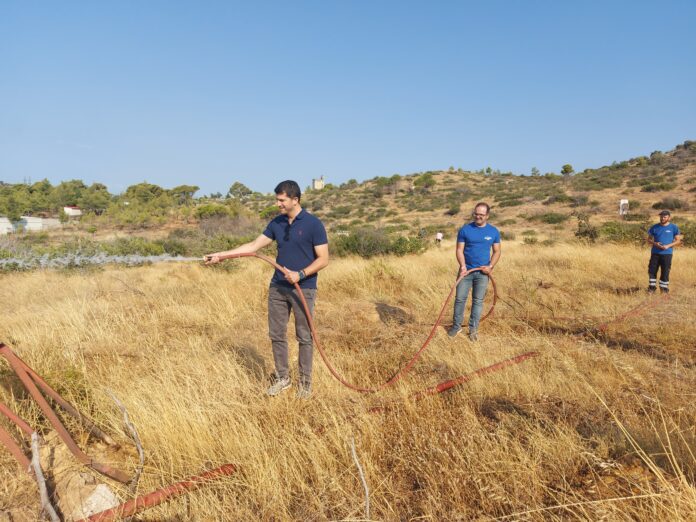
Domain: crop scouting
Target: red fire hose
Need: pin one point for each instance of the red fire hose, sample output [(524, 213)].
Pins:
[(407, 367)]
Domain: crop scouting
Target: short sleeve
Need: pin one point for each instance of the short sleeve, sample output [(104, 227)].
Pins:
[(676, 230), (319, 237), (651, 231), (461, 236), (496, 238), (269, 231)]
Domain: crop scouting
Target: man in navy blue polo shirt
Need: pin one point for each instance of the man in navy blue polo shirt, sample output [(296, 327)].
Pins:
[(662, 236), (303, 249), (475, 241)]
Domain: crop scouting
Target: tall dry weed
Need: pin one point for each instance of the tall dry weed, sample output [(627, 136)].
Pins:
[(600, 426)]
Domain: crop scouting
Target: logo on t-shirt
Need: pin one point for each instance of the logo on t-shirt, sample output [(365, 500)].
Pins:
[(487, 238)]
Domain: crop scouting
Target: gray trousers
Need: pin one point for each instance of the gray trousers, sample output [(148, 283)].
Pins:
[(280, 301)]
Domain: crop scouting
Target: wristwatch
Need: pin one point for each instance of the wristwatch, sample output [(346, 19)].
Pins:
[(301, 274)]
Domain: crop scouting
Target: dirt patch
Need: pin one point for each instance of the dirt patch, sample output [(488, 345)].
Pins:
[(393, 314)]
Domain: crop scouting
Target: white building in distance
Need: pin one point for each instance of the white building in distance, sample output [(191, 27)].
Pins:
[(5, 226), (72, 211), (318, 184), (28, 224)]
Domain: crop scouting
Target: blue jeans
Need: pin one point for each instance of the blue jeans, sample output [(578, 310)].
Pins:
[(478, 283)]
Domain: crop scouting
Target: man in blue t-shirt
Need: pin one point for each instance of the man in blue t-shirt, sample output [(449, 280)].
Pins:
[(662, 236), (474, 244), (303, 249)]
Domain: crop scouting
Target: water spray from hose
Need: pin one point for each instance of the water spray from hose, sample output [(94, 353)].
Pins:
[(79, 260)]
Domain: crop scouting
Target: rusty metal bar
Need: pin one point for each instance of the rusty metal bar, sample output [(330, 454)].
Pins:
[(446, 385), (7, 440), (18, 367), (155, 498), (19, 421), (83, 419), (635, 311)]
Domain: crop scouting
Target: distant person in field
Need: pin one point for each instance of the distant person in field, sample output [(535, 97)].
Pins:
[(662, 236), (438, 238), (303, 249), (475, 241)]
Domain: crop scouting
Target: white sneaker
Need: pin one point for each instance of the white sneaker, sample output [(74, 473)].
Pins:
[(279, 384)]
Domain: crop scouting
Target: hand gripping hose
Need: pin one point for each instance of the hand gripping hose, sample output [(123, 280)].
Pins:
[(407, 367)]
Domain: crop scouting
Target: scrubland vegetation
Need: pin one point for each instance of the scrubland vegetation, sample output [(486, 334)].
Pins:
[(399, 214), (599, 426)]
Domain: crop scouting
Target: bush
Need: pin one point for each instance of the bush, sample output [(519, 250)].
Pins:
[(671, 204), (585, 230), (453, 210), (688, 230), (339, 212), (368, 242), (550, 218), (133, 245), (508, 236), (506, 222), (268, 212), (657, 187), (510, 203), (530, 240), (558, 198), (638, 216), (211, 210), (579, 201), (237, 226), (622, 232)]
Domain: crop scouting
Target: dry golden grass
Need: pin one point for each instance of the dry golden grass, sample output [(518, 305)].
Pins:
[(599, 426)]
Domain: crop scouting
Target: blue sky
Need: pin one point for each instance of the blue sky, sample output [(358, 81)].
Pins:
[(209, 93)]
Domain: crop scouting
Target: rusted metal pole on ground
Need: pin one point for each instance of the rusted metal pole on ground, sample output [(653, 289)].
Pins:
[(83, 419), (446, 385), (155, 498), (19, 421), (31, 387), (7, 441)]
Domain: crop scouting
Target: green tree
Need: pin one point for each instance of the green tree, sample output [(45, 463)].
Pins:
[(143, 192), (425, 181), (239, 191), (95, 199), (67, 193), (41, 195), (210, 210), (535, 172), (183, 194), (13, 208), (567, 169)]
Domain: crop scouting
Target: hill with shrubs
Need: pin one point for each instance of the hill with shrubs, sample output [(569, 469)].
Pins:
[(399, 214)]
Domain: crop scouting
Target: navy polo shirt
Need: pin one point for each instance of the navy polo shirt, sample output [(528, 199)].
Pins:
[(296, 244)]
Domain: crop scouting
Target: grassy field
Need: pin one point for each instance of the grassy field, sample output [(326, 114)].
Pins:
[(599, 426)]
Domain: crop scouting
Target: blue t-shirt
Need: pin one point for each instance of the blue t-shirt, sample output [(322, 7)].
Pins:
[(663, 234), (296, 244), (478, 242)]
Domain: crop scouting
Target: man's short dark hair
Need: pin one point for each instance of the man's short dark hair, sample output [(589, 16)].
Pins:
[(482, 204), (290, 188)]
